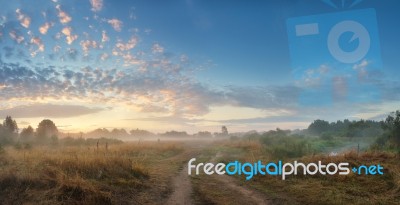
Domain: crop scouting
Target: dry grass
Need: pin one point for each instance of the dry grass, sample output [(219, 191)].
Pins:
[(124, 174), (320, 189)]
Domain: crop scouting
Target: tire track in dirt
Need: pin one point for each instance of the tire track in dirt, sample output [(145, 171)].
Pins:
[(231, 183), (182, 189)]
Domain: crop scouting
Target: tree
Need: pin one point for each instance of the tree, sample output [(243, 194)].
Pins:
[(27, 134), (46, 129), (392, 125), (224, 131), (318, 127), (141, 133), (8, 131), (204, 134), (118, 133), (10, 125)]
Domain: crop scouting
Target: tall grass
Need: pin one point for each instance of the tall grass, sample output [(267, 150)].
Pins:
[(117, 174)]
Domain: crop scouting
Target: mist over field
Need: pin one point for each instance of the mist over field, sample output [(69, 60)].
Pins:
[(199, 102)]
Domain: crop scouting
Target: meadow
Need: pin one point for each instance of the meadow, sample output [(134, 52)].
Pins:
[(128, 173), (78, 171)]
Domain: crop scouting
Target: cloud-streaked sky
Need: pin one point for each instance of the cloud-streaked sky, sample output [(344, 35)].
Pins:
[(163, 65)]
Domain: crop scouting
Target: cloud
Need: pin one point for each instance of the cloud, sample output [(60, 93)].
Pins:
[(157, 48), (16, 37), (127, 46), (97, 5), (63, 16), (40, 46), (70, 38), (104, 37), (23, 19), (87, 45), (157, 87), (48, 110), (116, 24), (263, 97), (272, 119), (44, 28)]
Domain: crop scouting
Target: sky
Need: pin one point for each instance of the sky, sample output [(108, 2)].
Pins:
[(197, 65)]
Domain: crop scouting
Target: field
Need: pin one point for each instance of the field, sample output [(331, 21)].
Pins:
[(156, 173)]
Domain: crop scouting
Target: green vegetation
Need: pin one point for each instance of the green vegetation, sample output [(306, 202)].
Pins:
[(45, 168)]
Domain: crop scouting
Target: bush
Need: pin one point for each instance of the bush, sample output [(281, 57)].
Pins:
[(326, 136), (18, 146)]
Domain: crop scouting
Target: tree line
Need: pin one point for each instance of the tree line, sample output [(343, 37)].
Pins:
[(45, 131), (387, 131)]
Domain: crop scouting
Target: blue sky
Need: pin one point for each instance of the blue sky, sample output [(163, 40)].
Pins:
[(184, 65)]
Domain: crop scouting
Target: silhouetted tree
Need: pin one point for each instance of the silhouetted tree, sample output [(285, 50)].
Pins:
[(27, 134), (8, 131), (46, 129), (10, 125), (141, 133), (224, 131), (204, 134)]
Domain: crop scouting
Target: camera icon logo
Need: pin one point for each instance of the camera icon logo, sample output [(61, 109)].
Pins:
[(335, 56)]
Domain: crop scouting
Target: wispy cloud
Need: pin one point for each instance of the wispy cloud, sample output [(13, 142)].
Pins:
[(97, 5), (116, 24), (16, 37), (24, 19), (48, 110), (63, 16), (87, 45), (44, 28), (40, 46), (132, 42), (104, 37), (157, 48), (70, 38)]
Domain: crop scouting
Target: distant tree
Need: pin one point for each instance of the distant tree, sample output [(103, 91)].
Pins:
[(174, 133), (46, 129), (10, 125), (204, 134), (119, 133), (392, 125), (8, 130), (224, 131), (27, 134), (318, 127), (98, 133), (141, 133)]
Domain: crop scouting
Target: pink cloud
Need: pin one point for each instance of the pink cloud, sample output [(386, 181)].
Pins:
[(63, 16), (44, 28), (17, 38), (40, 46), (97, 5), (116, 24), (67, 31), (87, 45), (127, 46), (23, 19), (38, 42)]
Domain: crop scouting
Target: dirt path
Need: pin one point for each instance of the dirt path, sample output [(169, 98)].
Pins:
[(231, 183), (182, 189)]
